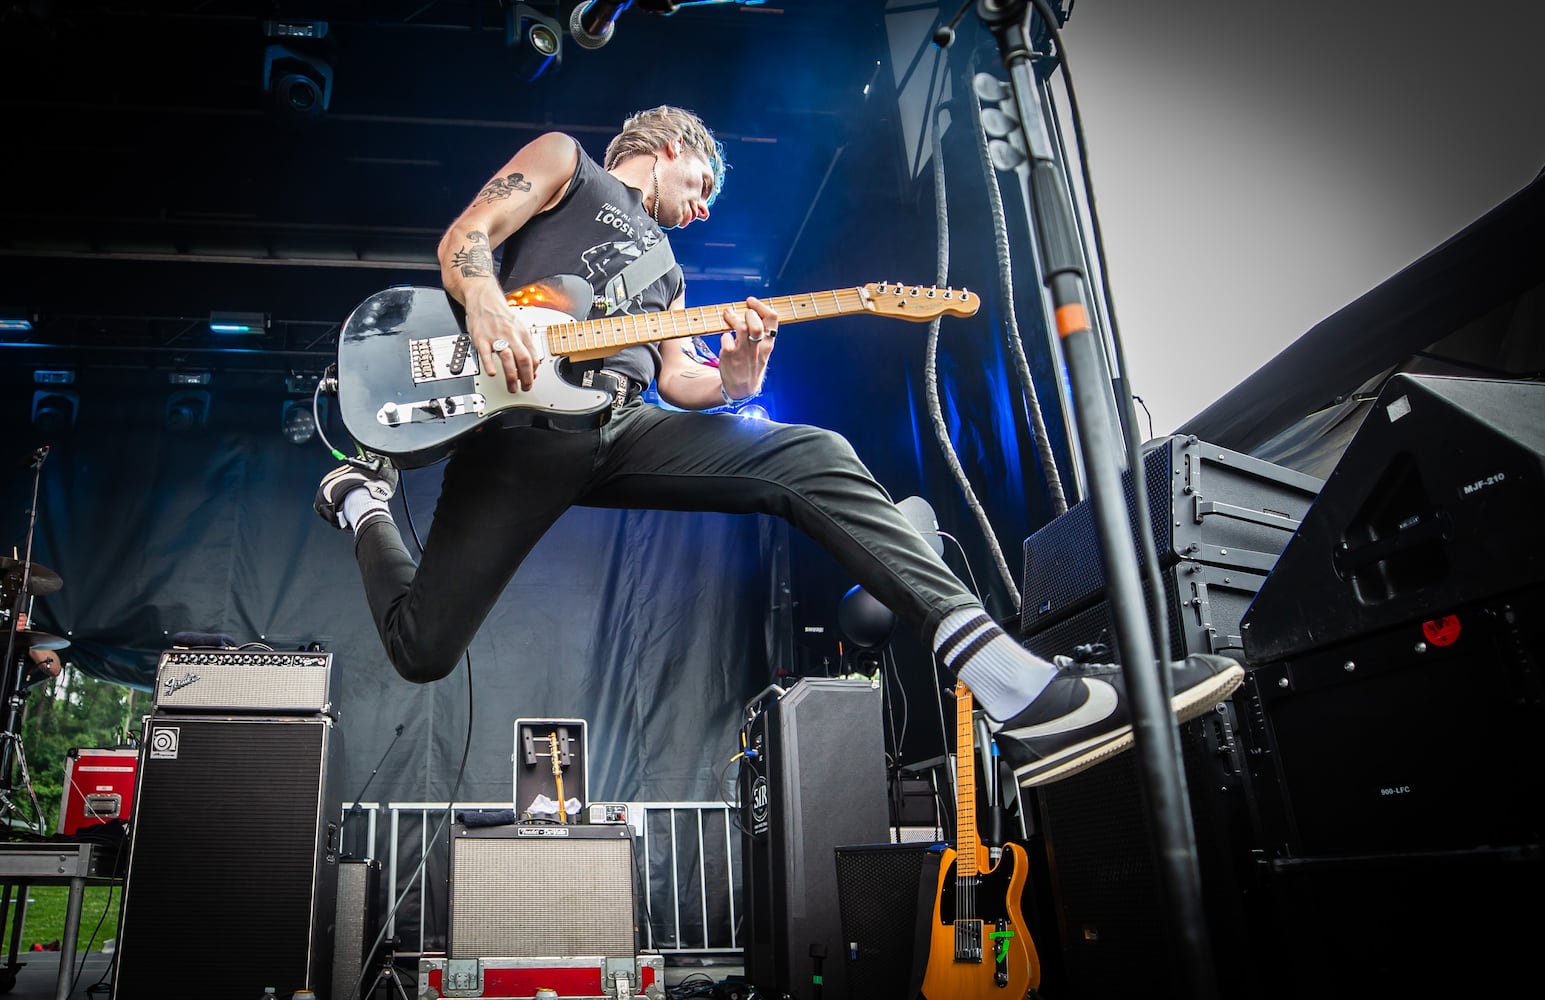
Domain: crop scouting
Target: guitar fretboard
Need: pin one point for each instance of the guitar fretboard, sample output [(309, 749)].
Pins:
[(966, 841), (600, 337)]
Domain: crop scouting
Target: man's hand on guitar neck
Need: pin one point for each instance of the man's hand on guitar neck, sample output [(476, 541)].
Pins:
[(746, 347)]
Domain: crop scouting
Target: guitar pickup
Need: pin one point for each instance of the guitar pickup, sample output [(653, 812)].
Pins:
[(433, 408)]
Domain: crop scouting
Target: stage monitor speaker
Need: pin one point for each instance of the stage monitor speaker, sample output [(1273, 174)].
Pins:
[(233, 862), (886, 892), (1209, 506), (356, 960), (1435, 503), (539, 890), (812, 779)]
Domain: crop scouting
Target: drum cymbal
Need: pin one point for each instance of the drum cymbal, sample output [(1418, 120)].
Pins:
[(43, 580), (26, 638)]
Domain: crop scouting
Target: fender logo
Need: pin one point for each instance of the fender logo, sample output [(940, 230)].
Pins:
[(175, 684)]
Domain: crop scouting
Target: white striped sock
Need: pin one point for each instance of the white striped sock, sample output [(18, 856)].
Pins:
[(1002, 675)]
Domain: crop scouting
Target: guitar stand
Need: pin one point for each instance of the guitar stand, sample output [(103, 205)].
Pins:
[(389, 973)]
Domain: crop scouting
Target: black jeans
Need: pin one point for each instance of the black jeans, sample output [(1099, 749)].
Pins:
[(503, 488)]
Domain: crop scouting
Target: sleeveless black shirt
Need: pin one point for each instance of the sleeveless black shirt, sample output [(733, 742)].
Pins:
[(598, 228)]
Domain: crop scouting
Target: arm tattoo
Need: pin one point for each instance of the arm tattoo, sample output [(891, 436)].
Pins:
[(502, 187), (474, 258)]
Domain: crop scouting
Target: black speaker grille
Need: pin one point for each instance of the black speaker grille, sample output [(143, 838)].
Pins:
[(227, 857), (881, 889)]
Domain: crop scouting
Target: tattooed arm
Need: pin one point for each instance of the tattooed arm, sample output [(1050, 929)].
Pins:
[(533, 181)]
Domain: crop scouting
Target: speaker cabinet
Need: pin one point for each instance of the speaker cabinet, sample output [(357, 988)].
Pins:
[(1435, 503), (233, 862), (541, 891), (886, 893), (812, 779), (1210, 508), (357, 925)]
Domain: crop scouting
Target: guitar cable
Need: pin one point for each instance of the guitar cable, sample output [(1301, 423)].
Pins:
[(328, 383)]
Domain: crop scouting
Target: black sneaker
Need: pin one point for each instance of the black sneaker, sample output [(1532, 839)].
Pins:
[(344, 480), (1082, 718)]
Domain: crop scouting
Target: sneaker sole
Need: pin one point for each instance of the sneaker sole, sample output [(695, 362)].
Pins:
[(1186, 706)]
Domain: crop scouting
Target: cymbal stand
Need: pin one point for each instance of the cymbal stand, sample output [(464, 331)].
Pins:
[(15, 669)]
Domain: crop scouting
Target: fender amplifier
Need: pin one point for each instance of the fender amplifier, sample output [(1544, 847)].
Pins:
[(541, 889), (235, 680)]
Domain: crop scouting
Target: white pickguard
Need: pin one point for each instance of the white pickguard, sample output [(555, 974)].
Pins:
[(432, 361)]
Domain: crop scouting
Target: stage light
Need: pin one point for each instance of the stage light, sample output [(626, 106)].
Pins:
[(300, 82), (187, 409), (298, 423), (53, 410), (536, 39), (238, 322), (753, 411)]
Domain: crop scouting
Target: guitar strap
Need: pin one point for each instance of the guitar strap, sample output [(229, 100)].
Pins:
[(631, 281)]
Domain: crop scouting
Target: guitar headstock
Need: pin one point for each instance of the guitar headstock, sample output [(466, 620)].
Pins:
[(919, 303)]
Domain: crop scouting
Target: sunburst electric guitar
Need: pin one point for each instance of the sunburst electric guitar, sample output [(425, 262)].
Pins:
[(409, 384), (979, 946)]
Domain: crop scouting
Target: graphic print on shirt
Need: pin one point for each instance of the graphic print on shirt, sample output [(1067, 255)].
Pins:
[(605, 261)]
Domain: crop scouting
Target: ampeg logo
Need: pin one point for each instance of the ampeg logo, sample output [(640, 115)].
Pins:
[(163, 743)]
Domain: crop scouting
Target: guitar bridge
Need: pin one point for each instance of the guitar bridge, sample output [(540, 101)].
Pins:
[(434, 408)]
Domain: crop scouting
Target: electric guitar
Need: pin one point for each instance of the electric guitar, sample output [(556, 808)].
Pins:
[(979, 946), (409, 384), (563, 810)]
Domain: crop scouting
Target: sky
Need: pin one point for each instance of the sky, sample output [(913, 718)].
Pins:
[(1259, 166)]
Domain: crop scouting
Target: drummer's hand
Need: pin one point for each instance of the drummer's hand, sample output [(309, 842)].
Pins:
[(48, 660)]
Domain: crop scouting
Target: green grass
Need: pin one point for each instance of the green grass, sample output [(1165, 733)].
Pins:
[(45, 916)]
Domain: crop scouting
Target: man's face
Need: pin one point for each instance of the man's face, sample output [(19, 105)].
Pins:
[(686, 187)]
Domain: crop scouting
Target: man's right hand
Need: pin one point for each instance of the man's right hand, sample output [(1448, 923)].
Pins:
[(502, 340)]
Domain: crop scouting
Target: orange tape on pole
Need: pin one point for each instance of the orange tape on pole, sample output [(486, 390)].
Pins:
[(1071, 319)]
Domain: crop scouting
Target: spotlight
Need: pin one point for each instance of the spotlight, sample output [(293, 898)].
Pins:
[(187, 409), (238, 322), (536, 38), (53, 410), (301, 84), (15, 320), (297, 422), (753, 411)]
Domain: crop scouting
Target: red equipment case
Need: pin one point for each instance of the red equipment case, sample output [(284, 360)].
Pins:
[(98, 786), (578, 978)]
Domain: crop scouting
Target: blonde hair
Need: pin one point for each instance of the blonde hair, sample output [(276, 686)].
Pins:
[(646, 131)]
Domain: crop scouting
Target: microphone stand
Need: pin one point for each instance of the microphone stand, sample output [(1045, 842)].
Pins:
[(1157, 742), (355, 810)]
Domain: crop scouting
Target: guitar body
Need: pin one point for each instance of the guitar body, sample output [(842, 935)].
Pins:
[(997, 896), (397, 395)]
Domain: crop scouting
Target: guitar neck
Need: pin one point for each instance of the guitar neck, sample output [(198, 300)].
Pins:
[(966, 839), (598, 338)]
